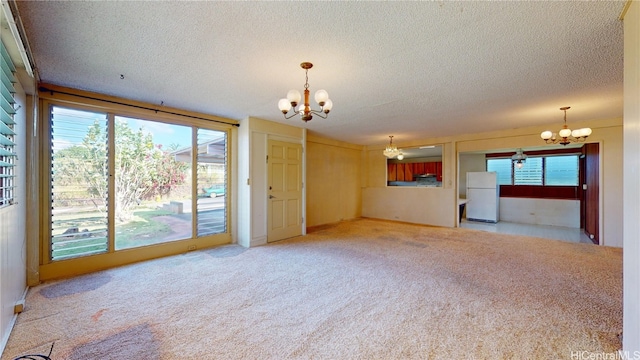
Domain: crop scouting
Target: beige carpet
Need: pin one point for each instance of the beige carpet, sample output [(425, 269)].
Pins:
[(362, 289)]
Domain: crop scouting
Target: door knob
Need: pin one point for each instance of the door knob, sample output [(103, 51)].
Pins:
[(271, 197)]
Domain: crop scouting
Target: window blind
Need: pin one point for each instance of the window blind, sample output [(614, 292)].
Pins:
[(530, 173), (7, 126)]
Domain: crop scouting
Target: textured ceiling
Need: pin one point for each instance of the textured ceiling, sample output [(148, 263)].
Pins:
[(410, 69)]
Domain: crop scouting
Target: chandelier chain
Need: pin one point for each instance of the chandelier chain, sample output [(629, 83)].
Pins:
[(306, 80)]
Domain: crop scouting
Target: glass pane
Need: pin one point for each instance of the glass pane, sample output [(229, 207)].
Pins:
[(152, 186), (503, 168), (561, 170), (530, 173), (212, 182), (78, 183)]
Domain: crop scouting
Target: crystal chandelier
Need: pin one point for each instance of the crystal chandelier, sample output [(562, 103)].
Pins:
[(305, 111), (519, 158), (565, 136), (391, 151)]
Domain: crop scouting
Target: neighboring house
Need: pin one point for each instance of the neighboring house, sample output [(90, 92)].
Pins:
[(353, 184)]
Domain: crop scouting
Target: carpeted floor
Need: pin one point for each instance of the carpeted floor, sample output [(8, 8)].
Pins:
[(362, 289)]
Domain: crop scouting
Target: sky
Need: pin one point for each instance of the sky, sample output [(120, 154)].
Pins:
[(71, 126)]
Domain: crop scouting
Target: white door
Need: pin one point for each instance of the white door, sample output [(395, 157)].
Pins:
[(284, 213)]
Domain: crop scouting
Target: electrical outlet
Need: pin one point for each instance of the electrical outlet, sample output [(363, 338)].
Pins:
[(191, 247)]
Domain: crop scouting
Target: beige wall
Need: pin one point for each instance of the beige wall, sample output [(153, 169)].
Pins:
[(631, 269), (333, 188), (469, 163)]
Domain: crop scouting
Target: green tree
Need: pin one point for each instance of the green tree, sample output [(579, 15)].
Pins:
[(142, 170)]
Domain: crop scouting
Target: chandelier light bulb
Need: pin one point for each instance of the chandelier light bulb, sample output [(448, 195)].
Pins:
[(546, 135), (400, 156), (284, 105), (564, 133), (321, 97), (327, 106), (519, 164), (294, 97)]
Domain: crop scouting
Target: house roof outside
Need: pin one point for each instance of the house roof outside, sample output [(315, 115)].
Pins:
[(411, 69)]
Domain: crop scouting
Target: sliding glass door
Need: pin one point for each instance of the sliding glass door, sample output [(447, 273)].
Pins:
[(152, 188), (121, 183)]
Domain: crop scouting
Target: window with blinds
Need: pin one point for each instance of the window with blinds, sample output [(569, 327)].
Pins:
[(212, 181), (7, 133), (79, 187), (530, 173), (557, 170)]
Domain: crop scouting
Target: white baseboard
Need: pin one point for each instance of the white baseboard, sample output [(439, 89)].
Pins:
[(5, 338)]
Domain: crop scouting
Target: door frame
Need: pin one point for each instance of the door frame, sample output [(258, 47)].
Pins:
[(598, 236)]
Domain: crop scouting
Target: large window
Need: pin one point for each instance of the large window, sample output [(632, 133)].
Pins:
[(560, 170), (7, 133), (120, 183)]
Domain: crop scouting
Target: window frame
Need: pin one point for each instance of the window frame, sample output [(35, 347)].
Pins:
[(81, 100), (543, 191)]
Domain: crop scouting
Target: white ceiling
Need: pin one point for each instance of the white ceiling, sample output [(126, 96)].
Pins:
[(410, 69)]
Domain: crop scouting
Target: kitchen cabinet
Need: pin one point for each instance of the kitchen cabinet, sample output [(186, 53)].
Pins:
[(406, 171)]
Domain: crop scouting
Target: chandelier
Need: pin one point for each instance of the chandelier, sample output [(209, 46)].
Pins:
[(565, 136), (519, 158), (391, 151), (305, 111)]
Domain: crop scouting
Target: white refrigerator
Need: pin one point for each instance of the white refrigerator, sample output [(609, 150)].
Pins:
[(483, 195)]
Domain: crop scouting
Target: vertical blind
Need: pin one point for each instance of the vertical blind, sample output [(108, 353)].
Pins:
[(7, 133)]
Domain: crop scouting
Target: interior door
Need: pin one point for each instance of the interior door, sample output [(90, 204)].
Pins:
[(592, 191), (284, 214)]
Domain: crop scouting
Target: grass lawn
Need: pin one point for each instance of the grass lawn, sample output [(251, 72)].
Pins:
[(141, 230)]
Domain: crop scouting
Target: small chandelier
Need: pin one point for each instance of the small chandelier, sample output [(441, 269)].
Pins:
[(565, 136), (391, 151), (519, 158), (305, 111)]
